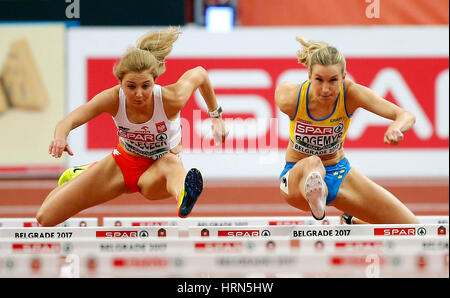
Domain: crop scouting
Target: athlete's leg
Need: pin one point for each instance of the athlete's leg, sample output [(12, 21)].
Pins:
[(357, 221), (299, 177), (167, 178), (97, 185), (163, 179), (371, 203)]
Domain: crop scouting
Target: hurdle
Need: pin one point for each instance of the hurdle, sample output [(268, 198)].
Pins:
[(203, 248), (197, 221), (242, 221), (332, 231), (300, 231), (32, 222), (202, 245), (217, 221), (60, 233), (229, 265)]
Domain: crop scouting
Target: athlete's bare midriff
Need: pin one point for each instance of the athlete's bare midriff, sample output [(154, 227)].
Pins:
[(327, 160)]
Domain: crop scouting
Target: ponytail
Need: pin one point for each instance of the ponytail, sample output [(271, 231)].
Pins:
[(317, 52), (159, 43), (149, 54)]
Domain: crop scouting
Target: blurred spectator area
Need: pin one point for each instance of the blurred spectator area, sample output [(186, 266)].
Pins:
[(341, 12), (96, 12)]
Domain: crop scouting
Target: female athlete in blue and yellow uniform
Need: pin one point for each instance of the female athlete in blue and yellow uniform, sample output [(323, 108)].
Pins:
[(320, 110)]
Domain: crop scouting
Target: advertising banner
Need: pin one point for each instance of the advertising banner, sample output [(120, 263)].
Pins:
[(245, 67), (32, 97)]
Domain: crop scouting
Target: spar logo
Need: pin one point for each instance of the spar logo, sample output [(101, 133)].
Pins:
[(265, 233), (317, 130), (237, 233), (158, 262), (31, 224), (161, 137), (421, 231), (149, 223), (219, 246), (287, 223), (143, 136), (36, 247), (399, 231), (359, 245), (353, 261), (121, 234)]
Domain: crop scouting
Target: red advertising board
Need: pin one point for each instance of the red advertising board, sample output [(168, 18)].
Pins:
[(407, 82)]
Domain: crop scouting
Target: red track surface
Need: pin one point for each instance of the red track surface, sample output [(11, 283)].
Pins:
[(22, 198)]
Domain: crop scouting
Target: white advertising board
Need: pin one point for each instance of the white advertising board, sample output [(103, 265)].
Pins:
[(406, 65)]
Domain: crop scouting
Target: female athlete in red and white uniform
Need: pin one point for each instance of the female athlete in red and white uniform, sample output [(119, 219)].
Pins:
[(147, 117)]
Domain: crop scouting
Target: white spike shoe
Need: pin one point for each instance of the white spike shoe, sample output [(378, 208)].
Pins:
[(316, 195)]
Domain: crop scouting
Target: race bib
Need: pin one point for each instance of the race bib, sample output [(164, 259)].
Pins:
[(145, 143), (318, 140)]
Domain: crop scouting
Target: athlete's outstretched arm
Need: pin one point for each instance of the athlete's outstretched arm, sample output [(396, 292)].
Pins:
[(359, 96), (102, 102), (180, 92)]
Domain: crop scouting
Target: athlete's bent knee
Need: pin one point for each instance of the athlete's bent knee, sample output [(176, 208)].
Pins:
[(308, 164), (171, 160), (413, 220), (44, 219), (314, 161)]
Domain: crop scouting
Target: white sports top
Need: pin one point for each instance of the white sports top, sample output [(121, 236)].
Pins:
[(153, 138)]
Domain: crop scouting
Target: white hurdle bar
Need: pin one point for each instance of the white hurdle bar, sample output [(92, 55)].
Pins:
[(31, 222), (198, 221), (228, 265), (201, 245), (332, 231), (242, 221), (301, 231), (61, 233), (218, 221)]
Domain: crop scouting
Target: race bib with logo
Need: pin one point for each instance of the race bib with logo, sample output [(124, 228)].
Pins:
[(324, 136), (144, 142), (317, 140)]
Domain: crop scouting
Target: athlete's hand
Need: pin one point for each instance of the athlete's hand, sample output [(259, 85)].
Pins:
[(393, 136), (57, 147), (219, 130)]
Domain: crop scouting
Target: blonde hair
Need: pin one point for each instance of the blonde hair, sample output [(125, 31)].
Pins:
[(317, 52), (149, 54)]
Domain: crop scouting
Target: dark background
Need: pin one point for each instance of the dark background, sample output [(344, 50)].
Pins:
[(98, 12)]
